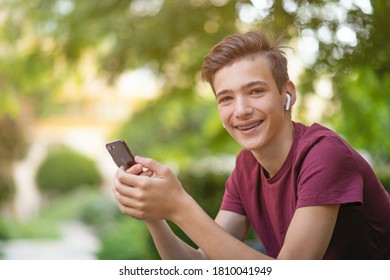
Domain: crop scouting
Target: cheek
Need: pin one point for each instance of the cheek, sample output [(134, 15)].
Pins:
[(223, 114), (272, 107)]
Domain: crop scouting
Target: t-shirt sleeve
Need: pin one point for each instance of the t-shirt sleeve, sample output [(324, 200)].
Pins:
[(231, 199), (236, 183), (329, 175)]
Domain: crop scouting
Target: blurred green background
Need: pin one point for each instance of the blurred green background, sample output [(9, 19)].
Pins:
[(76, 74)]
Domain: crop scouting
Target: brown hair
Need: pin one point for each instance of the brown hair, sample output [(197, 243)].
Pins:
[(246, 46)]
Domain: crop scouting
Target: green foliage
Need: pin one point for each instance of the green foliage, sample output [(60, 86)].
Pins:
[(36, 228), (206, 187), (365, 114), (101, 213), (4, 234), (121, 238), (65, 170), (129, 34), (7, 188), (385, 180), (127, 239), (13, 144), (382, 170), (47, 39), (69, 206), (44, 225)]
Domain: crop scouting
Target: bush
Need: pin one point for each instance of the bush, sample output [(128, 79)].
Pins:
[(206, 188), (101, 213), (127, 239), (385, 180), (56, 211), (4, 234), (121, 238), (65, 170), (7, 186)]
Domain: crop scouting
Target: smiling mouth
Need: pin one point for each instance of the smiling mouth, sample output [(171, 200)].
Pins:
[(248, 126)]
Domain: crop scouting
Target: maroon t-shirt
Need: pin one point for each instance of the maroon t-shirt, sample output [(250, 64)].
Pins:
[(321, 168)]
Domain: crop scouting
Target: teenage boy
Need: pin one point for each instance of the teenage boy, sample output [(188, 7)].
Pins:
[(304, 190)]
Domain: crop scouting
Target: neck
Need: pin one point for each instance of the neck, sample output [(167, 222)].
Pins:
[(272, 157)]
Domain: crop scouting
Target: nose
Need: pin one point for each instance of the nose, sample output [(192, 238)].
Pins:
[(242, 108)]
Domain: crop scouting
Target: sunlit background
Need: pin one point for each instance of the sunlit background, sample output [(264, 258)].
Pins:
[(76, 74)]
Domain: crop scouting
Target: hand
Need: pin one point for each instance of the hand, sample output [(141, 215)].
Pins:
[(136, 169), (146, 197)]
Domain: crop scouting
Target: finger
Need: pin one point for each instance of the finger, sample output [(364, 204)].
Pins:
[(119, 186), (117, 181), (128, 201), (126, 190), (130, 180), (135, 169), (152, 165), (132, 212)]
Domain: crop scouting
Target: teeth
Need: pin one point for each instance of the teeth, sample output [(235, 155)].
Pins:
[(249, 126), (246, 127)]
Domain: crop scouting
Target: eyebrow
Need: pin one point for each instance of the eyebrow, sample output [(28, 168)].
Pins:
[(248, 85)]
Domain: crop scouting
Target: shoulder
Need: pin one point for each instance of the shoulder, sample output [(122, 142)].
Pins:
[(328, 168), (314, 132), (322, 143)]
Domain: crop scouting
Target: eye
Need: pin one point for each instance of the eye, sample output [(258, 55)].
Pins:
[(256, 91), (224, 99)]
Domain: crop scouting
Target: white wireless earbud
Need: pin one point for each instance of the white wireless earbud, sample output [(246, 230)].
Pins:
[(288, 101)]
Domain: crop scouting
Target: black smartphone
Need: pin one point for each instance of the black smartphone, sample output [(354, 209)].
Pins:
[(121, 153)]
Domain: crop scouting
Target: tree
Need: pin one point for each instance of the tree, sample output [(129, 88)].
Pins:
[(43, 40)]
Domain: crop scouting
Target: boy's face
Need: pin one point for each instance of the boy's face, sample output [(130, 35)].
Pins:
[(249, 103)]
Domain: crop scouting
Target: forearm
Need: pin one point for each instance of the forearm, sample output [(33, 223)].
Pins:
[(168, 245), (212, 239)]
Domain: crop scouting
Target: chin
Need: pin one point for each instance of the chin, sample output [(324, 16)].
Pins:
[(250, 147)]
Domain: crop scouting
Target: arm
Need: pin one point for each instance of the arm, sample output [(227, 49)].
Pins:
[(308, 235), (211, 237), (162, 197), (170, 246)]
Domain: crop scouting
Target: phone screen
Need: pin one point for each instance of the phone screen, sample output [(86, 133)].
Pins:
[(120, 153)]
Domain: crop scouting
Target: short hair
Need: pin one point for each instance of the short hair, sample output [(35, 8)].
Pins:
[(246, 46)]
